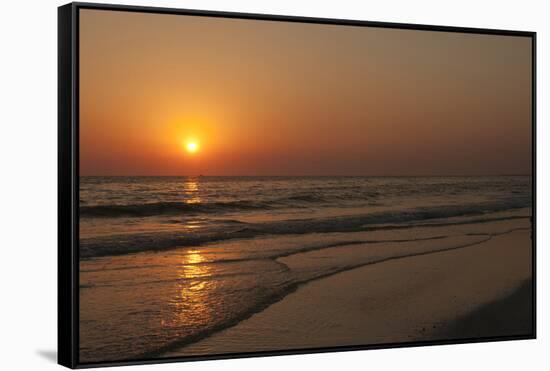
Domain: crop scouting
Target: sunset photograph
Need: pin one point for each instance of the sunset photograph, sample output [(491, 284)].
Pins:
[(256, 185)]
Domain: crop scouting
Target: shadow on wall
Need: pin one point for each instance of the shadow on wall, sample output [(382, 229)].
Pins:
[(50, 355)]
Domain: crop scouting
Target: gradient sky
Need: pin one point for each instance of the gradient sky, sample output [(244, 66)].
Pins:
[(279, 98)]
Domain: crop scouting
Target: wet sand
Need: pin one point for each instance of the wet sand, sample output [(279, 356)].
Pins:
[(481, 290)]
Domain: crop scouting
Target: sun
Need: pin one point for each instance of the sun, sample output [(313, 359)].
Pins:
[(192, 146)]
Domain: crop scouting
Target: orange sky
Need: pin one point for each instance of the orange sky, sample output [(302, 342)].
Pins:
[(276, 98)]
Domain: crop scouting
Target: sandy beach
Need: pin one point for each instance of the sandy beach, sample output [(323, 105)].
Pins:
[(481, 290)]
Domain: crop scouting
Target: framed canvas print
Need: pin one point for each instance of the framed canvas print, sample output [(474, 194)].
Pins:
[(235, 185)]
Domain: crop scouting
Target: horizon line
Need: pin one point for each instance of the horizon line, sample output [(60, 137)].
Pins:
[(314, 176)]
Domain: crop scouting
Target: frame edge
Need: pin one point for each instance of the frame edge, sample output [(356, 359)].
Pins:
[(299, 19), (66, 310), (68, 262)]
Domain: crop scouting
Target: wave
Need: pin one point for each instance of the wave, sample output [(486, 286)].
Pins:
[(166, 208), (296, 200), (426, 216)]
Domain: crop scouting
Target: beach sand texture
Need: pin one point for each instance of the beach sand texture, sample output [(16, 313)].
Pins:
[(478, 291)]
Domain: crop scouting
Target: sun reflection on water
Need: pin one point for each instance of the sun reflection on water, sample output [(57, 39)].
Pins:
[(191, 266), (191, 191), (191, 303)]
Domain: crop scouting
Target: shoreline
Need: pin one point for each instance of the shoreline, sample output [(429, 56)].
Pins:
[(379, 310)]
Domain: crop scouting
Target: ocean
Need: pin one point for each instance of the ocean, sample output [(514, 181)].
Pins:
[(168, 261)]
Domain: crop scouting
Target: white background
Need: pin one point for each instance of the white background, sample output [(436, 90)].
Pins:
[(28, 146)]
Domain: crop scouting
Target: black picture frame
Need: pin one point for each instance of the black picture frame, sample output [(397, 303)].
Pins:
[(68, 177)]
